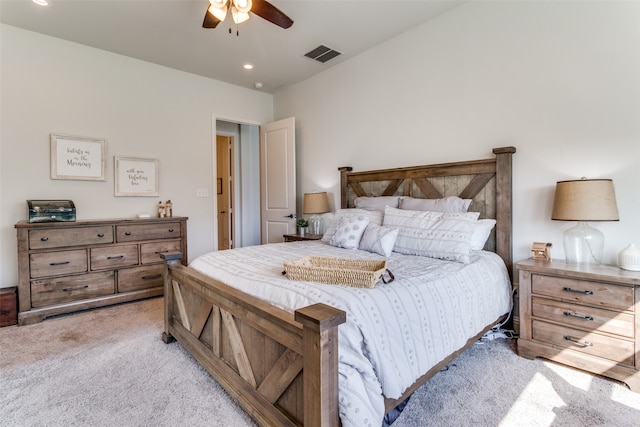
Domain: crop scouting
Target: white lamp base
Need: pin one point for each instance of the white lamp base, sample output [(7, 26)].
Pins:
[(583, 244)]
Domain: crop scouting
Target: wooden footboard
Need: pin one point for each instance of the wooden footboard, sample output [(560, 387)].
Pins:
[(282, 368)]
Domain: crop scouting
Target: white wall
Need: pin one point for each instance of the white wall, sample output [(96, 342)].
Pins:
[(558, 80), (53, 86)]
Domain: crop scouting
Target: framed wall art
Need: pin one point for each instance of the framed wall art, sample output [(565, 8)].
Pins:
[(136, 177), (77, 157)]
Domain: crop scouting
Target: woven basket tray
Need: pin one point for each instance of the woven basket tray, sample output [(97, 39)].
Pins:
[(359, 273)]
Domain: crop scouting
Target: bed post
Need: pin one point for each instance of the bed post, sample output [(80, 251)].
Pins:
[(320, 347), (504, 203), (344, 199), (169, 259)]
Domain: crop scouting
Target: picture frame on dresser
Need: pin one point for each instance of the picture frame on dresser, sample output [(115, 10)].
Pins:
[(77, 157), (136, 177)]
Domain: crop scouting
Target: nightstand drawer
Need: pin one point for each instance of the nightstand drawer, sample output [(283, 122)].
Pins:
[(58, 263), (584, 317), (618, 350), (584, 291)]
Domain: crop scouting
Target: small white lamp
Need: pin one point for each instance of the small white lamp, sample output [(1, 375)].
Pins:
[(584, 200), (315, 203)]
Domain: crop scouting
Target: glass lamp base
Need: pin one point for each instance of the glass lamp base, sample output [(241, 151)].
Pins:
[(315, 224), (583, 244)]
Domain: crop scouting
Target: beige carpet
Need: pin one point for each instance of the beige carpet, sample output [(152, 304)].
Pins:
[(108, 367)]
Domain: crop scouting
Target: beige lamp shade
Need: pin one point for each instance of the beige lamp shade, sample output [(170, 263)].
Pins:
[(585, 200), (315, 203)]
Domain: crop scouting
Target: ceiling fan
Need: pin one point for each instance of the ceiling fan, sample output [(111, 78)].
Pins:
[(217, 12)]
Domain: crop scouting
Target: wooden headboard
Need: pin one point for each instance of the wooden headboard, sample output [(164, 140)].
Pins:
[(487, 182)]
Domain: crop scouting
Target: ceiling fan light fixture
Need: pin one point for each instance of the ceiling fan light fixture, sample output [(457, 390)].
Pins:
[(219, 13), (243, 6), (239, 17)]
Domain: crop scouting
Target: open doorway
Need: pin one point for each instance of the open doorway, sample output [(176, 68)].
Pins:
[(224, 191), (240, 222)]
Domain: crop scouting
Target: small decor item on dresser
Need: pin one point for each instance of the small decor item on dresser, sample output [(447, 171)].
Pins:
[(168, 208), (162, 211), (629, 258), (541, 250), (51, 211)]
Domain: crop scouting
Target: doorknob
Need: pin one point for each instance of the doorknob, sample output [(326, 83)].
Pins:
[(289, 216), (223, 212)]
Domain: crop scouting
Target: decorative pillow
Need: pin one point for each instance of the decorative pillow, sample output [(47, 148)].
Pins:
[(449, 204), (376, 203), (379, 239), (432, 234), (375, 217), (349, 231), (481, 233)]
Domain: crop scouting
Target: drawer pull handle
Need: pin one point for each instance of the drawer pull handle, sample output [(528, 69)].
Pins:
[(116, 257), (578, 315), (566, 289), (153, 276), (127, 233), (44, 239), (161, 252), (171, 230), (100, 234), (77, 288), (59, 263), (580, 343)]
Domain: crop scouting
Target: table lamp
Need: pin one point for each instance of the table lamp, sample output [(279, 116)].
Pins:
[(584, 200), (315, 203)]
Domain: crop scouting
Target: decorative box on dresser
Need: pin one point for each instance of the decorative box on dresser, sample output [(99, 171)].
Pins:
[(585, 316), (69, 266)]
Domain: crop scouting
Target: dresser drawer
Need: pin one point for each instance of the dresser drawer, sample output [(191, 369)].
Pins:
[(585, 317), (70, 236), (616, 349), (58, 263), (67, 289), (128, 233), (584, 291), (150, 252), (114, 256), (133, 279)]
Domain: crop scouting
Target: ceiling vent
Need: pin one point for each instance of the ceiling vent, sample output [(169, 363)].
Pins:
[(322, 54)]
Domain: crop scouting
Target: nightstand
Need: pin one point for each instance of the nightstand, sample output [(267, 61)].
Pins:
[(299, 238), (585, 316)]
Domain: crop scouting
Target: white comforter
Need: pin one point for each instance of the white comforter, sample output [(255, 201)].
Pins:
[(394, 332)]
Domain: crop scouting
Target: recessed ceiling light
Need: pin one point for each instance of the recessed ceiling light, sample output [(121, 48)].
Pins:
[(248, 66), (41, 2)]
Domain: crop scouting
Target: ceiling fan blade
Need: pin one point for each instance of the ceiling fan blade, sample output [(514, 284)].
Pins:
[(267, 11), (210, 21)]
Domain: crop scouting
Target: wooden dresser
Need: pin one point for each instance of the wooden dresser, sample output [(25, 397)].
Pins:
[(69, 266), (584, 316)]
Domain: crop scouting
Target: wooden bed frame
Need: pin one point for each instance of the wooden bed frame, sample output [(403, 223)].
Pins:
[(282, 367)]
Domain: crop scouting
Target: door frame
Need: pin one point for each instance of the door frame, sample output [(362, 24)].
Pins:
[(214, 162)]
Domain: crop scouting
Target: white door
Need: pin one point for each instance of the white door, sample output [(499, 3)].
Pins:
[(277, 179)]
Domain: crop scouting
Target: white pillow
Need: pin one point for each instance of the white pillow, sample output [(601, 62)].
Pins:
[(349, 231), (449, 204), (481, 233), (375, 217), (376, 203), (433, 234), (379, 239)]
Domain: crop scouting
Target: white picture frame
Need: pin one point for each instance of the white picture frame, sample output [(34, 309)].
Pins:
[(136, 177), (77, 157)]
